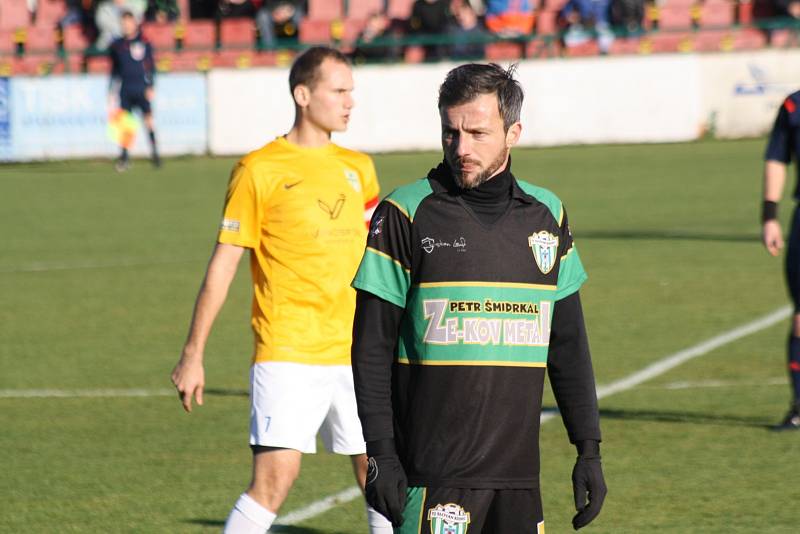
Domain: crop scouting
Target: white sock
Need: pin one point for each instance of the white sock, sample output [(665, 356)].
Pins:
[(248, 517), (377, 523)]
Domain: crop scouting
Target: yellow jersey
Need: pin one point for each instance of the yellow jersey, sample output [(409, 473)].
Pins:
[(301, 212)]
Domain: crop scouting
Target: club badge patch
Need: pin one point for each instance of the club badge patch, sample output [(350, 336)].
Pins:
[(448, 519), (352, 179), (544, 246)]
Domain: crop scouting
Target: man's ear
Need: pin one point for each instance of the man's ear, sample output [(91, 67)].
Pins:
[(513, 134), (302, 95)]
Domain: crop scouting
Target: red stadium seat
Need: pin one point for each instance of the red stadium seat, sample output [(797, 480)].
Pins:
[(238, 33), (625, 46), (400, 9), (351, 29), (40, 39), (98, 64), (783, 38), (7, 42), (361, 9), (554, 5), (161, 36), (749, 39), (74, 63), (414, 54), (14, 14), (546, 23), (315, 31), (674, 18), (713, 41), (589, 48), (670, 42), (198, 34), (325, 9), (74, 39), (503, 50), (717, 14), (50, 12)]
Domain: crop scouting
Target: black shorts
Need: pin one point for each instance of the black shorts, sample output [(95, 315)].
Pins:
[(793, 260), (129, 101), (487, 511)]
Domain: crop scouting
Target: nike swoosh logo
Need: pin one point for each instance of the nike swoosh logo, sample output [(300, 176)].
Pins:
[(289, 186)]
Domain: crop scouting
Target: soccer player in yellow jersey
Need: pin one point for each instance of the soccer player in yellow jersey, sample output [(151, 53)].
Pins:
[(299, 205)]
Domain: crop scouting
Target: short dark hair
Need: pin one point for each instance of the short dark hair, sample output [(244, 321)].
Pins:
[(467, 82), (305, 69)]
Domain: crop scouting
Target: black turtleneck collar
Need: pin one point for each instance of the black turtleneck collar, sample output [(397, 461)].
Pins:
[(489, 200)]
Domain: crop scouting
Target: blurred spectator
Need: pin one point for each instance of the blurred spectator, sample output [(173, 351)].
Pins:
[(379, 28), (788, 8), (466, 32), (584, 20), (109, 21), (431, 17), (279, 20), (162, 10), (510, 18), (627, 15), (235, 9)]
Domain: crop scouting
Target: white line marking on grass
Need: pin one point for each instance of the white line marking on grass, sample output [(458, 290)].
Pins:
[(83, 393), (44, 266), (674, 360), (696, 384), (319, 507)]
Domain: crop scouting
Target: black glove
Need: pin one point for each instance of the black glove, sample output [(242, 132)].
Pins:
[(587, 477), (386, 485)]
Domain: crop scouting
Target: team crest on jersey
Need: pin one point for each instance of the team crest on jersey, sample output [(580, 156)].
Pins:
[(427, 245), (137, 51), (448, 519), (352, 179), (544, 246)]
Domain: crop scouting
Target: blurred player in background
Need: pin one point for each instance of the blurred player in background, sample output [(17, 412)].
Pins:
[(132, 69), (784, 143), (300, 205), (467, 292)]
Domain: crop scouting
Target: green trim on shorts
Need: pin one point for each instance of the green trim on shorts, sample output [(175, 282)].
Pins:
[(412, 514)]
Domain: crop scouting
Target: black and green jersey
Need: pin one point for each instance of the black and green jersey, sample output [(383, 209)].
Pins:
[(473, 343)]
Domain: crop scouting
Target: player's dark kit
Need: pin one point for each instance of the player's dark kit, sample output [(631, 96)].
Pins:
[(133, 67), (784, 144), (477, 299)]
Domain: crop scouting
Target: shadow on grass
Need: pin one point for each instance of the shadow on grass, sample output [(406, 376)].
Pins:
[(670, 236), (219, 523), (687, 417), (218, 392)]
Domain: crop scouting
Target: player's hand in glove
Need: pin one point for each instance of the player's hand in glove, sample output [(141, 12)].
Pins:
[(386, 483), (587, 478)]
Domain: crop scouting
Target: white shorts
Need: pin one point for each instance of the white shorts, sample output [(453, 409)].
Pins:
[(291, 402)]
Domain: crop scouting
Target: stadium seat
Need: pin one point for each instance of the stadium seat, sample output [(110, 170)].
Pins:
[(184, 61), (400, 9), (161, 36), (625, 46), (14, 14), (98, 64), (749, 39), (504, 50), (361, 9), (543, 48), (74, 39), (674, 18), (784, 38), (40, 39), (717, 14), (713, 41), (74, 63), (315, 31), (589, 48), (325, 9), (414, 54), (50, 12), (237, 33), (239, 59), (7, 44), (351, 29), (669, 42), (546, 23), (553, 5), (197, 34)]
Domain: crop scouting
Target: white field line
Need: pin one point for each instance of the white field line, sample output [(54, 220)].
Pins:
[(45, 266), (674, 360), (629, 382), (699, 384)]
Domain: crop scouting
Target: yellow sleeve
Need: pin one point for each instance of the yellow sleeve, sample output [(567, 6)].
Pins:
[(241, 219)]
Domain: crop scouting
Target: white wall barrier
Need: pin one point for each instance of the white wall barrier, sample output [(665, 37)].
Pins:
[(67, 117), (660, 98)]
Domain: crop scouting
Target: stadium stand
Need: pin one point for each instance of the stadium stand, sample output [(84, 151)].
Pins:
[(325, 9), (361, 9), (50, 12), (197, 34), (14, 15), (237, 33), (160, 35), (399, 9)]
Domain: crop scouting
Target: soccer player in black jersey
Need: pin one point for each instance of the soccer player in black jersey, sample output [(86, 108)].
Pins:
[(784, 141), (467, 293)]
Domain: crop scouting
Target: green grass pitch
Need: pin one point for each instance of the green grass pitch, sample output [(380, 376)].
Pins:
[(99, 270)]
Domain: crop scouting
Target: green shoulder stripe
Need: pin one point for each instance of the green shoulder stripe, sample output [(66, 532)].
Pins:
[(546, 197), (382, 275), (408, 197)]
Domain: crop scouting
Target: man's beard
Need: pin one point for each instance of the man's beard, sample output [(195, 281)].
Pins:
[(482, 176)]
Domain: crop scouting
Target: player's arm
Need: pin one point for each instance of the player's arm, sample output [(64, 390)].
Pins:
[(149, 72), (569, 366), (115, 80), (777, 157), (188, 375)]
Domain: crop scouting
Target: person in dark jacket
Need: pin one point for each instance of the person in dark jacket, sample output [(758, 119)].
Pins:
[(132, 69)]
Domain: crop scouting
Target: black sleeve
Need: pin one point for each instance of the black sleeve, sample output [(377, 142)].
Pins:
[(779, 147), (375, 331), (569, 367)]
